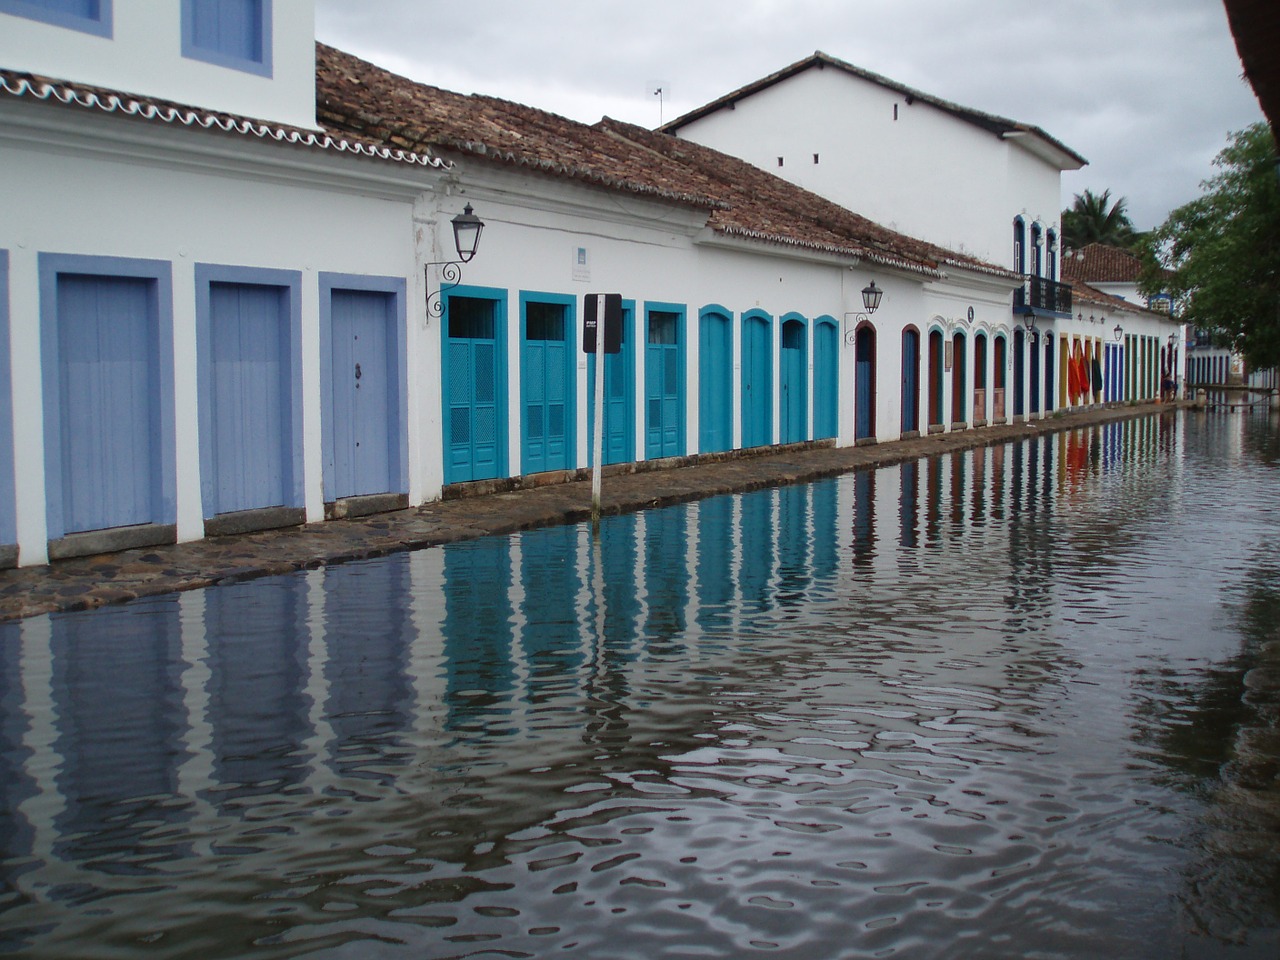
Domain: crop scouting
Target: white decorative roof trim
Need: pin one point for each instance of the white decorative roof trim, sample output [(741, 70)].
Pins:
[(114, 103), (979, 267), (862, 253)]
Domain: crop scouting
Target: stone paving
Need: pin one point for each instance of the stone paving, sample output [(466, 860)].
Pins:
[(87, 582)]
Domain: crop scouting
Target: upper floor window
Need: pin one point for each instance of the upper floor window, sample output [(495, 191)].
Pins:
[(1051, 247), (89, 16), (1019, 245), (229, 33), (1037, 265)]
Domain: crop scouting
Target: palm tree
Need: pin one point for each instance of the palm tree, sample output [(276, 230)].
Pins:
[(1093, 218)]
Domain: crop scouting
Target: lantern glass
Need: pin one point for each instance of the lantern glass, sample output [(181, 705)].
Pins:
[(467, 228), (871, 295)]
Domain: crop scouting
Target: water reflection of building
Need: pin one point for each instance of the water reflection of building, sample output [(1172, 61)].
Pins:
[(204, 726)]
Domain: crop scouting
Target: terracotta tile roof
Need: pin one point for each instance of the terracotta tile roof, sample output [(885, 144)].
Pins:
[(1087, 298), (357, 97), (84, 96), (368, 111), (1000, 126), (1100, 263)]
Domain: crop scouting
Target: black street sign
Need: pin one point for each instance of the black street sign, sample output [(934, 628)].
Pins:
[(612, 318)]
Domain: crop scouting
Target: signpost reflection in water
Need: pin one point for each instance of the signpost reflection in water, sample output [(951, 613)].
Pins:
[(986, 705)]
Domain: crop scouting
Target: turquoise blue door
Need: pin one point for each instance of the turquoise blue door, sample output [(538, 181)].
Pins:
[(715, 388), (826, 380), (757, 380), (1019, 372), (249, 397), (619, 398), (864, 403), (910, 381), (365, 395), (474, 434), (108, 404), (794, 388), (545, 384), (664, 385)]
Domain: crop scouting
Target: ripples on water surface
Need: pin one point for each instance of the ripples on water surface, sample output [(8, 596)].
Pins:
[(983, 706)]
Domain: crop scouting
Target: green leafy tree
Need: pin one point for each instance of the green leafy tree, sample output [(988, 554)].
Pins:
[(1094, 218), (1218, 257)]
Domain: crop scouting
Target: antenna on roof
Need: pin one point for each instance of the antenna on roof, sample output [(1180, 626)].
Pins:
[(660, 89)]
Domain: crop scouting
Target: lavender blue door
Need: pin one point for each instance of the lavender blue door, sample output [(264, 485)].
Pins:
[(8, 524), (365, 395), (757, 380), (249, 397), (108, 403)]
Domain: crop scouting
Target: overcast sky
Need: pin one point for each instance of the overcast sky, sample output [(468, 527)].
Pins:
[(1146, 90)]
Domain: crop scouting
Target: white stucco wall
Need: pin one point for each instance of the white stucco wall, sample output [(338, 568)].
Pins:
[(143, 55), (89, 184), (187, 199), (908, 166)]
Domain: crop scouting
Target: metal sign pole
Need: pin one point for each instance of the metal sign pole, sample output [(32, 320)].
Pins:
[(601, 334), (597, 441)]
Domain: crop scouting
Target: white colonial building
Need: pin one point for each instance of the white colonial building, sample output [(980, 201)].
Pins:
[(969, 181), (224, 305)]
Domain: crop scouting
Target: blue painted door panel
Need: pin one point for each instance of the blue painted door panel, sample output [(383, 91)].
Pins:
[(545, 381), (250, 392), (108, 402), (715, 389), (757, 382), (1034, 375), (826, 380), (365, 394), (619, 399), (1019, 373), (864, 385), (1048, 375), (793, 409), (910, 381), (473, 417), (664, 387)]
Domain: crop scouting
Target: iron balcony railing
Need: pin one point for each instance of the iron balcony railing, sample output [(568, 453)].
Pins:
[(1039, 294)]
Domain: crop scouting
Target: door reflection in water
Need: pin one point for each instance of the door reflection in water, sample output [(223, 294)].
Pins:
[(985, 705)]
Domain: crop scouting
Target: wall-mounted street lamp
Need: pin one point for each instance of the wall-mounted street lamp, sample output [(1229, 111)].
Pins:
[(1029, 321), (871, 295), (1118, 333), (467, 228)]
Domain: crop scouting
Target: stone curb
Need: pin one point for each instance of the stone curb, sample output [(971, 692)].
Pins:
[(88, 582)]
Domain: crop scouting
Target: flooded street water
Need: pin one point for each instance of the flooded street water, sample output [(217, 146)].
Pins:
[(1015, 702)]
